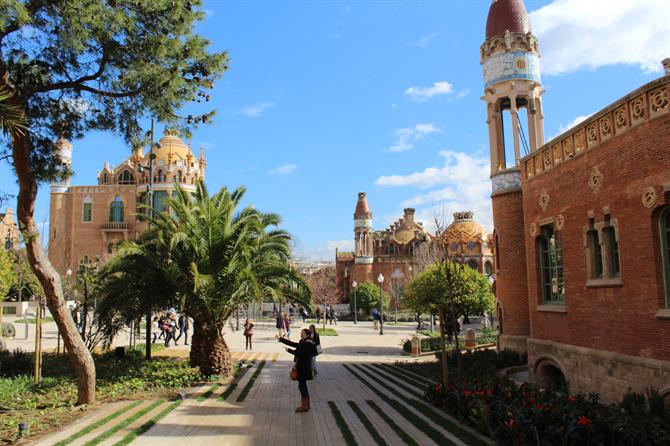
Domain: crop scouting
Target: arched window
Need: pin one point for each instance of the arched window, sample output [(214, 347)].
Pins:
[(160, 176), (550, 252), (488, 269), (116, 210), (473, 264), (126, 177), (105, 178), (87, 210), (392, 249), (180, 177), (665, 249)]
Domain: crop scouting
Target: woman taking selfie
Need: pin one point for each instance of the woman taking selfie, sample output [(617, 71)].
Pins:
[(302, 352)]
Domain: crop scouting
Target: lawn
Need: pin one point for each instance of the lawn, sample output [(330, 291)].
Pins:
[(51, 405), (326, 331)]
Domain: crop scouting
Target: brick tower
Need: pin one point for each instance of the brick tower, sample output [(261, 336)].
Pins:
[(510, 60), (363, 248), (59, 223)]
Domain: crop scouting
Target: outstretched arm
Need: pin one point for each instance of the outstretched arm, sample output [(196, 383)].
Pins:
[(289, 343)]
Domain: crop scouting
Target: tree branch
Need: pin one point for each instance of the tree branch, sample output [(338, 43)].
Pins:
[(76, 83)]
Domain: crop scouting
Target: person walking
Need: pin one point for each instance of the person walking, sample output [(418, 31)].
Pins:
[(286, 326), (317, 314), (279, 324), (248, 333), (155, 327), (302, 352), (184, 326), (316, 339), (376, 318)]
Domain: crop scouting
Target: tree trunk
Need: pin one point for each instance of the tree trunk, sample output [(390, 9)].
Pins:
[(445, 366), (209, 350), (80, 357)]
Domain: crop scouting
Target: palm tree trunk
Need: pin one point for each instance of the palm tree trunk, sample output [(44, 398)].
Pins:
[(209, 350), (81, 358)]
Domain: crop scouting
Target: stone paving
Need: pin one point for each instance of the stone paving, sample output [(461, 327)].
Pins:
[(267, 417)]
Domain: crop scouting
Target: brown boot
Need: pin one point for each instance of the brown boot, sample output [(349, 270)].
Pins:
[(304, 407)]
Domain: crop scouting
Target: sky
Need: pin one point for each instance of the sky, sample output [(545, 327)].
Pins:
[(326, 98)]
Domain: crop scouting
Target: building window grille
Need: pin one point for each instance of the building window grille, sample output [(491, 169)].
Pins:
[(551, 266), (665, 248), (87, 212), (116, 210)]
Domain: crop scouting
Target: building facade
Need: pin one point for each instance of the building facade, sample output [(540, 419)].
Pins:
[(406, 247), (581, 225), (87, 222), (9, 231)]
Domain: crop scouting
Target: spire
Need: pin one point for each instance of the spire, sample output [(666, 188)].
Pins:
[(507, 15), (203, 163), (362, 208)]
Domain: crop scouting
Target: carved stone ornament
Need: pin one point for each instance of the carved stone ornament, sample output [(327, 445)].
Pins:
[(533, 229), (560, 222), (544, 199), (649, 197), (596, 179)]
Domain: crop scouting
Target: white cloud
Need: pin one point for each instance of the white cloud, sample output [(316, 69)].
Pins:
[(424, 40), (406, 136), (324, 251), (567, 126), (576, 34), (463, 93), (425, 93), (284, 169), (462, 183), (254, 111)]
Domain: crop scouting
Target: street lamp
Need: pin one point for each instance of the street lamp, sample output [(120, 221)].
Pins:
[(380, 279), (397, 275), (354, 285)]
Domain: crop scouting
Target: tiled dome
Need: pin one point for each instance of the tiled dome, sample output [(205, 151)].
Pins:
[(507, 15)]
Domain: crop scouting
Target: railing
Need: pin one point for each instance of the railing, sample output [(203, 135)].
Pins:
[(115, 226)]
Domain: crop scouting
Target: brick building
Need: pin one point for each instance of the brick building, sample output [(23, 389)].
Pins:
[(87, 222), (405, 247), (9, 231), (582, 225)]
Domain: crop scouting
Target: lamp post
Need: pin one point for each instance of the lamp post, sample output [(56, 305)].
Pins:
[(380, 279), (150, 196), (354, 285), (396, 276)]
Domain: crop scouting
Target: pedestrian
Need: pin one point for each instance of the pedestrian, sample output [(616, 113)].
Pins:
[(286, 326), (184, 326), (248, 333), (279, 324), (317, 314), (376, 317), (327, 311), (302, 352), (317, 343), (155, 328), (333, 315), (303, 313), (76, 316)]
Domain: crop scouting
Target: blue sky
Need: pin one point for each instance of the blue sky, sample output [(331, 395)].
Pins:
[(327, 98)]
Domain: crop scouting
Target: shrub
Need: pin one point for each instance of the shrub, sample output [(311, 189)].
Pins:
[(16, 363)]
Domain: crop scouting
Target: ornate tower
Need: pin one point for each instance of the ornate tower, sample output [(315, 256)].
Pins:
[(59, 207), (511, 63), (363, 249)]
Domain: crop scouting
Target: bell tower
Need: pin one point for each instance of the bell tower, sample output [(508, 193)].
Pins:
[(512, 92), (363, 247)]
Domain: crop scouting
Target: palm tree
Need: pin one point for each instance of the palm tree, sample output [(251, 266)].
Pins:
[(214, 258)]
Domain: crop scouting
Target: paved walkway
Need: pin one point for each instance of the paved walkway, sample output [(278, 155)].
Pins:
[(378, 404)]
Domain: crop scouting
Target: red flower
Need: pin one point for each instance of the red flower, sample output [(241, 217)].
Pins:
[(467, 392), (584, 421), (489, 392), (438, 388), (572, 399), (538, 406)]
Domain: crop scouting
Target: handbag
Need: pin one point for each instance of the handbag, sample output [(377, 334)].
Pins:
[(294, 373), (319, 350)]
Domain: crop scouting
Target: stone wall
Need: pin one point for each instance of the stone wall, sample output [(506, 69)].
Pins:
[(589, 370)]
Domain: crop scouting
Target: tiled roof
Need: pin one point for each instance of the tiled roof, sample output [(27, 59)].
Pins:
[(507, 15)]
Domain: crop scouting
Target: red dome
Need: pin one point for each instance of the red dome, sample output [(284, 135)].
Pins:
[(507, 15), (362, 208)]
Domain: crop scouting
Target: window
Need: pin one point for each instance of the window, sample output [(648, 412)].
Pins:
[(105, 178), (665, 248), (472, 246), (9, 245), (551, 266), (473, 264), (180, 177), (488, 269), (596, 253), (392, 249), (88, 212), (609, 233), (116, 210), (160, 201), (126, 177)]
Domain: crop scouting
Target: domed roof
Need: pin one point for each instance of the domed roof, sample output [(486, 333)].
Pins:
[(507, 15), (362, 208), (463, 229), (171, 145)]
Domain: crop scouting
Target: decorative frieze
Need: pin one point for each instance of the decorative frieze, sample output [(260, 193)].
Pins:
[(543, 201), (648, 102), (506, 180)]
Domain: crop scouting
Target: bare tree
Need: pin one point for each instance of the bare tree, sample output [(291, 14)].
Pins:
[(323, 284)]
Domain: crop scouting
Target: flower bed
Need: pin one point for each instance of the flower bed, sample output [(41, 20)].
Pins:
[(526, 415), (431, 343)]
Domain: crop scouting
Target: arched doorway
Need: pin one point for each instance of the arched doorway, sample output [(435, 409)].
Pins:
[(549, 376)]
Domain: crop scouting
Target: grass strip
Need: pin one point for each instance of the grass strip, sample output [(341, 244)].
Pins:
[(365, 421), (342, 424), (148, 425), (435, 435), (370, 370), (397, 429), (97, 424), (243, 394), (412, 374), (125, 423), (209, 393), (436, 417), (407, 378)]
